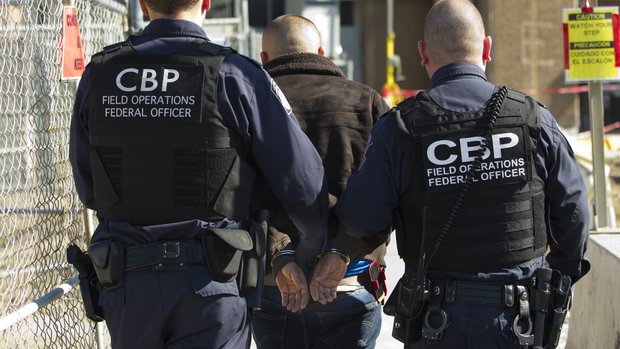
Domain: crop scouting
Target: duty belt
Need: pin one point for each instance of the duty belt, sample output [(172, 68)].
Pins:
[(472, 292), (164, 255)]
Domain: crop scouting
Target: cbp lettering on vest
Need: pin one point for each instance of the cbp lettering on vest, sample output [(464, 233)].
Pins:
[(148, 79), (172, 139), (478, 182), (470, 145)]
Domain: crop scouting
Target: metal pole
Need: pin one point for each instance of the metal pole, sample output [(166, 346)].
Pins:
[(245, 25), (390, 16), (30, 308), (135, 17), (595, 100)]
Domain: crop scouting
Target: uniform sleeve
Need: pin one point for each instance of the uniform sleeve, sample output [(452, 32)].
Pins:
[(365, 207), (566, 197), (288, 160), (79, 147)]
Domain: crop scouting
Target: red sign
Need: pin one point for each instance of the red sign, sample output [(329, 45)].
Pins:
[(72, 61)]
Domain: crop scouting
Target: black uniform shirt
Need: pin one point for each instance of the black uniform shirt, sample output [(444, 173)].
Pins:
[(372, 193)]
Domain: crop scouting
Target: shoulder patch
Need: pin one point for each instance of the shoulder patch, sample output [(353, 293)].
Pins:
[(275, 89)]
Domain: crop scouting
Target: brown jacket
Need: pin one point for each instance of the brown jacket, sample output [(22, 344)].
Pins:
[(337, 114)]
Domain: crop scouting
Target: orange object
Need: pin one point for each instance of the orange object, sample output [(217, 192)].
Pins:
[(72, 61)]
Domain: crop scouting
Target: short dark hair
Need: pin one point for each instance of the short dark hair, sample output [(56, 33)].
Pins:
[(170, 7)]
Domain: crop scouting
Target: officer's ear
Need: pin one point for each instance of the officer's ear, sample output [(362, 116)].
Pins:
[(264, 57), (145, 10), (206, 5), (486, 49), (423, 52)]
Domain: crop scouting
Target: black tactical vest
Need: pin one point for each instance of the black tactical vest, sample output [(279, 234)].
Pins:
[(502, 220), (161, 152)]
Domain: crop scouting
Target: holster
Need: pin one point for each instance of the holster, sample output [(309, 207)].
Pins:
[(252, 274), (89, 284), (411, 298), (558, 307), (223, 251), (108, 257)]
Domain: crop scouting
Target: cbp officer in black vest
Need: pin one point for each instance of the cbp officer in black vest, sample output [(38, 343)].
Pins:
[(169, 138), (478, 182)]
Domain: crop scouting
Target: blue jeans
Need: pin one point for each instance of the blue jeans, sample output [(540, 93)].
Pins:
[(352, 320)]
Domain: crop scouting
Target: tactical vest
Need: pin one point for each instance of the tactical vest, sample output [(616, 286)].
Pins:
[(502, 219), (161, 152)]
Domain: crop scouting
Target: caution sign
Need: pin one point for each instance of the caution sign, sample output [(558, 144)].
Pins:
[(72, 61), (591, 48)]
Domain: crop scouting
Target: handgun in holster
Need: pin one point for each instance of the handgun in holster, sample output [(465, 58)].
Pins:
[(559, 306), (251, 277), (89, 283), (411, 294)]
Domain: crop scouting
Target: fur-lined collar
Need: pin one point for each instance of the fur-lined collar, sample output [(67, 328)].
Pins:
[(302, 63)]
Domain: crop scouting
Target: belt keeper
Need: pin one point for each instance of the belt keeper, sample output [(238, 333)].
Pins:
[(437, 295), (450, 291), (509, 295)]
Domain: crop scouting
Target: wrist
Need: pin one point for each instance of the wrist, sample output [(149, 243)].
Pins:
[(281, 254), (345, 257)]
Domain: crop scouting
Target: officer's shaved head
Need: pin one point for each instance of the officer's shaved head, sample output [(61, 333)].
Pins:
[(454, 31), (291, 34)]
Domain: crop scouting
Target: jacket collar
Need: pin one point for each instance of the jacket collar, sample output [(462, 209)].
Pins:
[(456, 71), (173, 27), (302, 63)]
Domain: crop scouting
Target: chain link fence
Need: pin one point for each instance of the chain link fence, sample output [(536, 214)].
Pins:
[(40, 214)]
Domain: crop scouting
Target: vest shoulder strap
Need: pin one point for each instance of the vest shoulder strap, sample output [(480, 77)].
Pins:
[(112, 50), (214, 49), (408, 105), (518, 103)]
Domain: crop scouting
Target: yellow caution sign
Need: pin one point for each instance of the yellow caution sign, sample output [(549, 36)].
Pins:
[(591, 44)]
